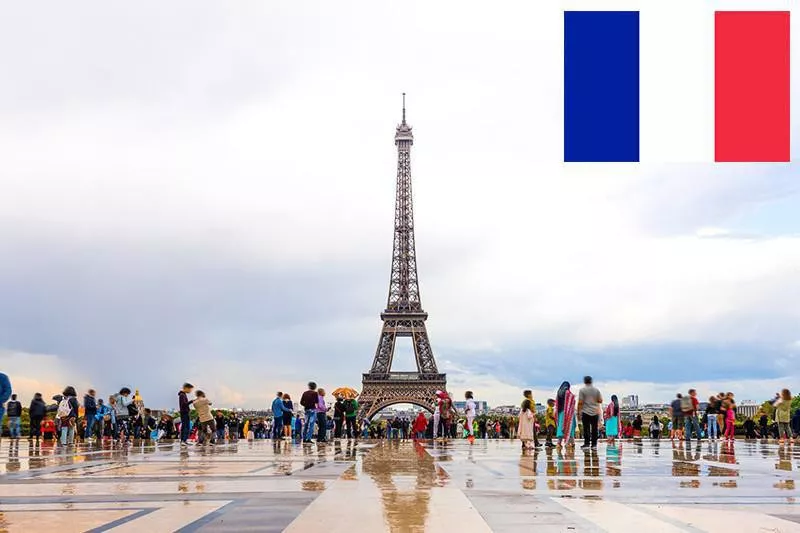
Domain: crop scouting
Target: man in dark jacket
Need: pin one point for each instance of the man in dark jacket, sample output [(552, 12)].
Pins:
[(183, 407), (338, 417), (309, 401), (89, 412), (14, 412), (37, 412)]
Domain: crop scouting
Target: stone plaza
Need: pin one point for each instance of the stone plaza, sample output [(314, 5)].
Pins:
[(377, 486)]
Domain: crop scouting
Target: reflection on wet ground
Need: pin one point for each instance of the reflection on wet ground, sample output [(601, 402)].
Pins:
[(397, 486)]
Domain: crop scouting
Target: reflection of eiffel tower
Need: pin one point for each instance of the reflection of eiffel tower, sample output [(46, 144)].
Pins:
[(406, 507), (403, 316)]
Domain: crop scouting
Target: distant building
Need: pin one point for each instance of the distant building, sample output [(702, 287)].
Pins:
[(481, 407), (504, 410), (748, 408), (630, 402)]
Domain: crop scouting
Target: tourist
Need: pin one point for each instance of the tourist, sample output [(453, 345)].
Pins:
[(655, 428), (288, 415), (309, 401), (638, 424), (124, 409), (277, 416), (446, 413), (322, 416), (68, 415), (184, 404), (350, 418), (338, 417), (689, 405), (763, 422), (589, 402), (749, 429), (565, 412), (221, 425), (783, 408), (469, 411), (527, 420), (676, 415), (612, 419), (205, 429), (14, 413), (437, 406), (166, 427), (729, 406), (36, 411), (712, 431), (420, 424), (550, 422), (89, 412)]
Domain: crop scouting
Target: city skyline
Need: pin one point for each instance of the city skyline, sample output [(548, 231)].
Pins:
[(214, 204)]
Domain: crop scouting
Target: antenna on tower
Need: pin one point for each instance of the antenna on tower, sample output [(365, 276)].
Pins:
[(404, 108)]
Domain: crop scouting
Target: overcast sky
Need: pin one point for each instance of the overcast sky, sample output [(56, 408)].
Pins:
[(204, 191)]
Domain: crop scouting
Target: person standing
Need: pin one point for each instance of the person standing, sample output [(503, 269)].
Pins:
[(689, 408), (676, 415), (783, 408), (322, 416), (565, 413), (338, 417), (37, 411), (470, 412), (277, 416), (205, 426), (288, 414), (183, 408), (712, 423), (123, 409), (89, 412), (589, 402), (5, 393), (14, 412), (550, 422), (350, 414), (309, 401), (68, 413), (527, 420), (612, 419), (655, 428)]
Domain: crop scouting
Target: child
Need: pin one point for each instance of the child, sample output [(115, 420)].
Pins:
[(783, 415), (730, 417), (205, 431), (550, 422)]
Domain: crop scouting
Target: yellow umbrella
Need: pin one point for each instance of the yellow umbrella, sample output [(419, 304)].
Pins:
[(345, 392)]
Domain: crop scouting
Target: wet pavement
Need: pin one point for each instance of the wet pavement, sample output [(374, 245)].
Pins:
[(399, 486)]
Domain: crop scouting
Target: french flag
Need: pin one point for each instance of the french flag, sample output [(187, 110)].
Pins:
[(677, 81)]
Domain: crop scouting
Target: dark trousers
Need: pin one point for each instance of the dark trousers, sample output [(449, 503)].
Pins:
[(337, 428), (185, 427), (589, 429), (277, 427), (322, 427), (36, 426), (550, 431), (351, 427)]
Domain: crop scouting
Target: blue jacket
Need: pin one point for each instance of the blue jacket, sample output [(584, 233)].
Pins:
[(277, 407), (5, 388)]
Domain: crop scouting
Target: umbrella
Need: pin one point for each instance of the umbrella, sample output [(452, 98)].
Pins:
[(345, 392)]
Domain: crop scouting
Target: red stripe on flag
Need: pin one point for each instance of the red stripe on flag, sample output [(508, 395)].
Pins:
[(751, 74)]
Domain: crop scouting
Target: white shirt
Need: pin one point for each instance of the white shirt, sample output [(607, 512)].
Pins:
[(470, 408)]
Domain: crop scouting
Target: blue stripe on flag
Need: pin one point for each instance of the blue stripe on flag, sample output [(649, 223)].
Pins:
[(601, 86)]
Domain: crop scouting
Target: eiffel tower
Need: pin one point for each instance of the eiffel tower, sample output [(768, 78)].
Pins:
[(403, 316)]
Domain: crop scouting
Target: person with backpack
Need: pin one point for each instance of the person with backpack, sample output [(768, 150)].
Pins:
[(89, 412), (14, 412), (689, 409), (67, 413), (350, 415)]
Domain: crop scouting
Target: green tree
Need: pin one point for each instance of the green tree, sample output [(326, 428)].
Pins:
[(795, 403)]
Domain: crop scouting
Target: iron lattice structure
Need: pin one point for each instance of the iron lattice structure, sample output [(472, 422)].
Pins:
[(403, 316)]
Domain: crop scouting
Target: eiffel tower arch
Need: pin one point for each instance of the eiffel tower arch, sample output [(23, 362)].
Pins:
[(403, 316)]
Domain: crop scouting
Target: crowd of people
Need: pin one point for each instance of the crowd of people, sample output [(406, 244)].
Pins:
[(122, 418)]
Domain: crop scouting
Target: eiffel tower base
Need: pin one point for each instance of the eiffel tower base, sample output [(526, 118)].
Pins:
[(382, 390)]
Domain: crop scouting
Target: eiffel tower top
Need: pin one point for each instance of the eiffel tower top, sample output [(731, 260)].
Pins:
[(403, 132)]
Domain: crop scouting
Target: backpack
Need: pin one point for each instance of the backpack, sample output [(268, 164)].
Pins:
[(64, 408), (686, 404), (350, 407)]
